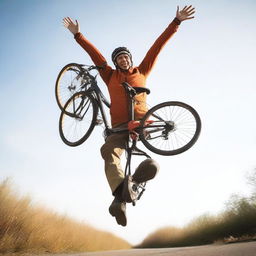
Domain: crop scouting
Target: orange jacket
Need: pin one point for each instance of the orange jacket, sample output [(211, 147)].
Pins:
[(135, 76)]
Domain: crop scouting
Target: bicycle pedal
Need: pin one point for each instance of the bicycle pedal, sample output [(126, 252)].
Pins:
[(98, 122)]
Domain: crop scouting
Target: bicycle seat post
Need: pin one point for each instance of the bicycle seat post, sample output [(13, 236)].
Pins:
[(131, 108), (131, 93)]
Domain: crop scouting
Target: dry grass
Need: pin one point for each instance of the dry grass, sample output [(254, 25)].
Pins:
[(24, 227), (206, 229), (236, 223)]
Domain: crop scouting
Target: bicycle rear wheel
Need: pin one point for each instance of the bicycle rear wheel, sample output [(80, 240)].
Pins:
[(170, 128), (76, 126), (68, 82)]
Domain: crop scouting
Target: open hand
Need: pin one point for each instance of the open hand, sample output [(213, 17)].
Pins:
[(71, 26), (185, 13)]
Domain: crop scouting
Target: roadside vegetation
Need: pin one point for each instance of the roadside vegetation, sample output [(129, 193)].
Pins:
[(237, 222), (28, 228), (25, 227)]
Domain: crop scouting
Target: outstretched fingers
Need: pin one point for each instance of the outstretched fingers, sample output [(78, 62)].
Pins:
[(72, 26), (189, 10), (67, 21), (186, 13), (184, 8)]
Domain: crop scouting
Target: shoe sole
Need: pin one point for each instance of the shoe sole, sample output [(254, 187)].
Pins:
[(148, 173), (145, 177), (147, 170)]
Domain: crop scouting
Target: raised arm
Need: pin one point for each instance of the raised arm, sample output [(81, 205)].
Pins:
[(93, 52), (151, 56)]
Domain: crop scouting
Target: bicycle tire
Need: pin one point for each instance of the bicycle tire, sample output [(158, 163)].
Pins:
[(76, 126), (175, 128), (68, 83)]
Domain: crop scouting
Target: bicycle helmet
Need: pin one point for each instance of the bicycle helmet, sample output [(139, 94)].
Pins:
[(118, 51)]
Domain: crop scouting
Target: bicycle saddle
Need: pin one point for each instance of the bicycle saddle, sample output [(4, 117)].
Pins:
[(141, 89), (135, 90)]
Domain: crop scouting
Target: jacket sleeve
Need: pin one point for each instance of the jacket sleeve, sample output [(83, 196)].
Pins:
[(96, 57), (151, 56)]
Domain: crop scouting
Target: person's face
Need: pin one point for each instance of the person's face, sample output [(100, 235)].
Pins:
[(123, 61)]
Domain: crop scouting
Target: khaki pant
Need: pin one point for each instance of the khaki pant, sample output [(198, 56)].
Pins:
[(111, 152)]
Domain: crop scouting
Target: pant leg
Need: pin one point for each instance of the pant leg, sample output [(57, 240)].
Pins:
[(111, 152)]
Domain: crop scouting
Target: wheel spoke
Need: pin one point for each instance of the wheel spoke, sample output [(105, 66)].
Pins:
[(174, 128)]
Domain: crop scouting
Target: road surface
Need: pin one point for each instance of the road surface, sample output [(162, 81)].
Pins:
[(234, 249)]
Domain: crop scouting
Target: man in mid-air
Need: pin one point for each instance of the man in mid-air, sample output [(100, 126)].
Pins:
[(136, 76)]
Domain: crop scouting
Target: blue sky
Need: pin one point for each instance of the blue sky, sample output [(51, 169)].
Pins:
[(209, 63)]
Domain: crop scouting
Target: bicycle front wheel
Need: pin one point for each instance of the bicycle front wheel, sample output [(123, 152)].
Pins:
[(68, 82), (76, 126), (170, 128)]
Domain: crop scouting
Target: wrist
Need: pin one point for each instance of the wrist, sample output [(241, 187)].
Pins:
[(76, 34), (177, 21)]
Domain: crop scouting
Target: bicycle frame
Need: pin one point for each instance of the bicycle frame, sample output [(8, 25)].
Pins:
[(101, 101), (131, 150), (89, 85)]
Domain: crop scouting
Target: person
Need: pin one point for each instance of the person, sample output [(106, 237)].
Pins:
[(124, 71)]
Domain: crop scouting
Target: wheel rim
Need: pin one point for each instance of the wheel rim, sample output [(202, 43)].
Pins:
[(77, 127), (174, 129), (69, 82)]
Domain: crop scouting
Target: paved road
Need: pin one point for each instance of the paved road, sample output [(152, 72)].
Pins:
[(235, 249)]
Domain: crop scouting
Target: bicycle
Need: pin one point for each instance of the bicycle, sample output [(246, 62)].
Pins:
[(168, 128)]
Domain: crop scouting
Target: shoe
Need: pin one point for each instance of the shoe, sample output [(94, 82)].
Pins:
[(130, 190), (147, 170), (118, 210)]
